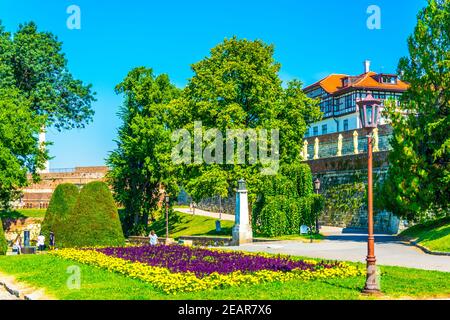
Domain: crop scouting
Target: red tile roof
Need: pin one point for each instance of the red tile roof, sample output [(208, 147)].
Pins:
[(333, 83)]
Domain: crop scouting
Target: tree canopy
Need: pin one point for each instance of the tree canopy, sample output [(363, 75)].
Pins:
[(236, 87), (419, 174), (36, 91), (141, 164)]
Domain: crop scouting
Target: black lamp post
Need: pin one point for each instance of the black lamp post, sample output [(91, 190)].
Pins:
[(317, 188), (369, 114), (167, 200)]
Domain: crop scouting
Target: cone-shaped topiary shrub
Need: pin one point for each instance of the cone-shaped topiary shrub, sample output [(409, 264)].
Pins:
[(61, 204), (94, 220), (3, 243)]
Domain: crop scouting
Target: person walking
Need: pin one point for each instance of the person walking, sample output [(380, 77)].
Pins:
[(153, 238), (41, 242), (52, 240)]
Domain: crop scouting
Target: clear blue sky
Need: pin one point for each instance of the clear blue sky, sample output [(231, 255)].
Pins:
[(312, 39)]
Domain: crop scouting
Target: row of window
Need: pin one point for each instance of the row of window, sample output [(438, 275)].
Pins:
[(347, 103), (315, 129)]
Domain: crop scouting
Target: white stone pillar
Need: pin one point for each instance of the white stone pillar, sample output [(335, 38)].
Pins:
[(242, 230)]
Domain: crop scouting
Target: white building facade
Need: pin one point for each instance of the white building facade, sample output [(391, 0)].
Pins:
[(338, 94)]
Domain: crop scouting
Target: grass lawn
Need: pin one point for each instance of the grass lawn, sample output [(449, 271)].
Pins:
[(183, 224), (435, 235), (23, 213), (45, 271)]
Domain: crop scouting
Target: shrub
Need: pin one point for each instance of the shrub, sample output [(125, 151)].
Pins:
[(272, 219), (3, 243), (94, 221), (286, 201), (61, 204)]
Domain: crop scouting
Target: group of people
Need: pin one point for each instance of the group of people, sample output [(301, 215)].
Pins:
[(17, 246), (40, 243)]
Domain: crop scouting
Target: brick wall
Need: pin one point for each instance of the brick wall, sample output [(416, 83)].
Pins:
[(38, 195)]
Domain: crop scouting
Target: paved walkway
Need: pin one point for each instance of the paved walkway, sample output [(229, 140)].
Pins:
[(199, 212), (389, 250), (5, 295)]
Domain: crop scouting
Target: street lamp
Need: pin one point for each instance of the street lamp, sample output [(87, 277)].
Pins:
[(167, 199), (369, 114), (317, 188)]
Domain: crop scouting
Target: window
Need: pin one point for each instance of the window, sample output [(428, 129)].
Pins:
[(324, 129), (307, 133), (315, 131), (346, 125), (337, 125)]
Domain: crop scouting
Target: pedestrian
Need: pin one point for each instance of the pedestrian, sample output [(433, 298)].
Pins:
[(18, 245), (153, 238), (52, 240), (41, 242)]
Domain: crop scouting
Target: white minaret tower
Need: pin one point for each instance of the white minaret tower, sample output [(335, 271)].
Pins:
[(42, 145)]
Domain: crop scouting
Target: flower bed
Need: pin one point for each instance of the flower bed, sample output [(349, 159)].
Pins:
[(203, 262), (199, 271)]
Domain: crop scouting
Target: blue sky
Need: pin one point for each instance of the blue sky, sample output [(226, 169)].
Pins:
[(311, 38)]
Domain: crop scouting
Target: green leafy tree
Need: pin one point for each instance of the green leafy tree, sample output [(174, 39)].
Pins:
[(141, 167), (20, 152), (419, 174), (61, 205), (238, 87), (33, 62), (36, 91), (94, 220)]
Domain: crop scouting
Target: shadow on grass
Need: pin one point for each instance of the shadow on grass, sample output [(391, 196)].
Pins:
[(11, 215)]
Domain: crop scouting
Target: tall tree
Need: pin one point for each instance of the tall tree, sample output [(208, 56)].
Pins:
[(36, 90), (238, 87), (141, 165), (20, 152), (419, 174)]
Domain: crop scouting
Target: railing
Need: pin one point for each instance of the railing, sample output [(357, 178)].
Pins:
[(343, 146)]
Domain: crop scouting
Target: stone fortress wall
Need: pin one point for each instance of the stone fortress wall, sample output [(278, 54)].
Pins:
[(38, 195)]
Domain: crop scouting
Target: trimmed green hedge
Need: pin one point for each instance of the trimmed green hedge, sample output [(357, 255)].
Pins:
[(3, 243), (61, 205), (94, 221)]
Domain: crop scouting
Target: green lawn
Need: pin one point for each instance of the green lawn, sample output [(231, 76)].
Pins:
[(23, 213), (182, 224), (45, 271), (434, 235)]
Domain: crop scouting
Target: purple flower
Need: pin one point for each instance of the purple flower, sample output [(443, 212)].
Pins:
[(203, 261)]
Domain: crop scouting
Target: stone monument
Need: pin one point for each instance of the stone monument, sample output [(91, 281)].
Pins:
[(242, 230)]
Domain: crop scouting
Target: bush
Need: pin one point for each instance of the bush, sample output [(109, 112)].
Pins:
[(286, 201), (272, 220), (94, 221), (61, 205), (3, 243)]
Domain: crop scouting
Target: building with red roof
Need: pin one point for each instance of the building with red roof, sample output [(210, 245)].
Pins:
[(338, 94)]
